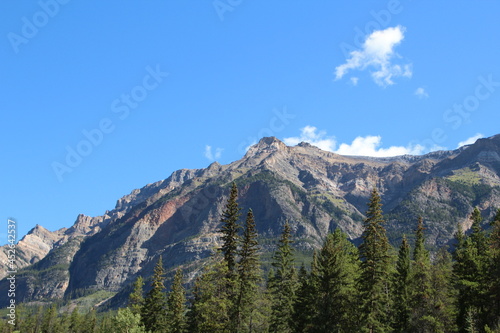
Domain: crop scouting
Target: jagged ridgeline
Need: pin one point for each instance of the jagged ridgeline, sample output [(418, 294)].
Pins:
[(317, 192)]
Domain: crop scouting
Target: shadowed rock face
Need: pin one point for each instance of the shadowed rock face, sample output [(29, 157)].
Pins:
[(316, 191)]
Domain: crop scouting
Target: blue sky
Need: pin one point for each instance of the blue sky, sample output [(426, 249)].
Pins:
[(101, 97)]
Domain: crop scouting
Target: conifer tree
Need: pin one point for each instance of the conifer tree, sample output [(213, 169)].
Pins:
[(494, 273), (374, 282), (154, 309), (230, 231), (336, 294), (249, 274), (420, 298), (176, 305), (304, 308), (210, 310), (471, 278), (402, 288), (135, 299), (283, 285), (442, 292)]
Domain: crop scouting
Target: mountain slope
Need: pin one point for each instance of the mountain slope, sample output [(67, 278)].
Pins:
[(316, 191)]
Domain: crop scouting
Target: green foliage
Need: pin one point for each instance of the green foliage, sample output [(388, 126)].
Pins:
[(283, 284), (136, 299), (154, 309), (401, 293), (230, 229), (176, 305), (126, 321), (249, 275), (374, 281), (336, 295)]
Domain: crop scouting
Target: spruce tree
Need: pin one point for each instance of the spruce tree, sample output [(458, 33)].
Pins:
[(230, 231), (494, 273), (176, 306), (154, 309), (402, 288), (135, 299), (304, 308), (420, 298), (283, 284), (471, 279), (337, 272), (249, 274), (374, 282)]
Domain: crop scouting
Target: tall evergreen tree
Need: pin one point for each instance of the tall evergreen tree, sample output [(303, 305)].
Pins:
[(471, 279), (420, 298), (135, 299), (443, 293), (374, 282), (304, 308), (249, 275), (402, 288), (494, 273), (283, 285), (154, 309), (176, 306), (338, 269), (230, 230)]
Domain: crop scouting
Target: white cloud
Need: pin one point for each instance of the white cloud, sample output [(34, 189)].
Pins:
[(311, 135), (378, 53), (354, 80), (421, 93), (211, 156), (361, 146), (370, 146), (470, 140)]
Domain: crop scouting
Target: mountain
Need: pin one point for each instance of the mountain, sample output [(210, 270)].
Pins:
[(315, 190)]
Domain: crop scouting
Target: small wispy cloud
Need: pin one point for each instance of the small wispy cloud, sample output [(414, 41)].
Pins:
[(354, 80), (470, 140), (378, 53), (212, 156), (360, 146), (421, 93), (310, 134)]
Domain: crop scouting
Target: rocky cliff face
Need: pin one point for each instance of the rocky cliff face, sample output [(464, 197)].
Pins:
[(316, 191)]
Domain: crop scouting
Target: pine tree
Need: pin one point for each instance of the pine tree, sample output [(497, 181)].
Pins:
[(89, 323), (154, 309), (304, 308), (230, 230), (402, 288), (249, 275), (442, 292), (49, 319), (283, 285), (374, 282), (75, 321), (420, 298), (494, 273), (176, 305), (471, 279), (338, 270), (135, 299)]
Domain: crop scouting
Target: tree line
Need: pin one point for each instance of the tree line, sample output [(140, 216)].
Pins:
[(370, 288)]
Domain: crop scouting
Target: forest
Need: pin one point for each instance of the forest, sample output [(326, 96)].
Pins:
[(369, 288)]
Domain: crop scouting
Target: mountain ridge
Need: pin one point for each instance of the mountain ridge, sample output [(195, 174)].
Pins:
[(317, 191)]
